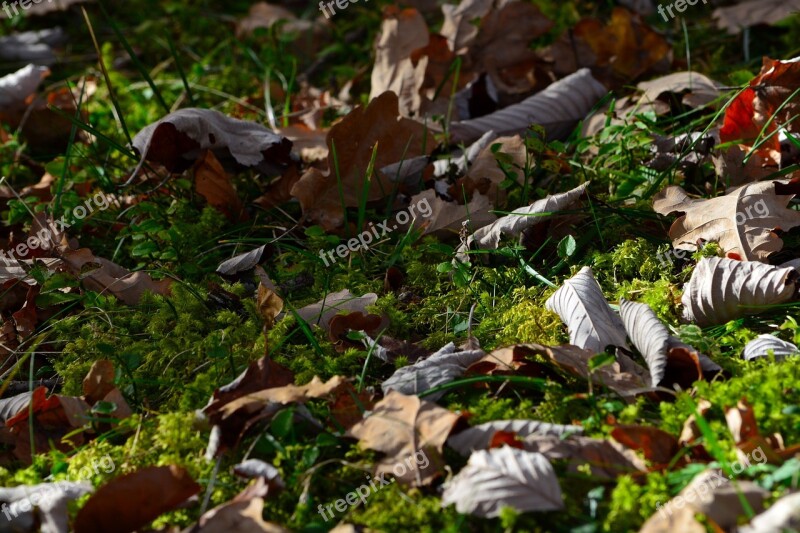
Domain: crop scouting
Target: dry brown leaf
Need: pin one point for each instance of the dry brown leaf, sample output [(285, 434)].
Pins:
[(606, 459), (440, 368), (723, 289), (501, 477), (710, 494), (17, 87), (625, 376), (743, 426), (103, 276), (618, 52), (783, 515), (406, 427), (764, 345), (480, 437), (177, 140), (402, 32), (448, 218), (743, 221), (126, 503), (656, 445), (213, 183), (694, 89), (269, 305), (356, 136)]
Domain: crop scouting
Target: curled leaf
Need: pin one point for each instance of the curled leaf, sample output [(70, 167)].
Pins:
[(592, 324), (501, 477), (724, 289), (480, 437), (764, 345)]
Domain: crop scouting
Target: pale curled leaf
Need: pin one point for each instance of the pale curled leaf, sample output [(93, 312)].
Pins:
[(723, 289), (605, 458), (17, 86), (670, 361), (737, 17), (592, 324), (783, 515), (438, 369), (763, 345), (743, 221), (504, 477), (479, 437), (649, 336), (323, 311), (519, 220), (557, 108), (44, 504)]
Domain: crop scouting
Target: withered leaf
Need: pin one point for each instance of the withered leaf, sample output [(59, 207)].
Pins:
[(743, 221), (764, 345), (411, 432), (125, 504), (177, 140), (501, 477), (723, 289), (591, 322), (479, 437), (440, 368)]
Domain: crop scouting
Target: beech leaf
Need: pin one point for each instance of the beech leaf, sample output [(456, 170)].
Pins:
[(592, 324), (438, 369), (743, 221), (763, 345), (724, 289), (502, 477), (479, 437)]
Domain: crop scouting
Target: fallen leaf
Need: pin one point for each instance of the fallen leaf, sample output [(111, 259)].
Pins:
[(322, 312), (356, 136), (520, 220), (502, 477), (743, 221), (557, 108), (479, 437), (783, 515), (743, 15), (242, 262), (101, 275), (32, 46), (694, 89), (710, 494), (769, 345), (447, 219), (213, 183), (605, 459), (722, 289), (656, 445), (440, 368), (402, 427), (126, 504), (591, 322), (15, 88), (41, 507), (177, 140), (670, 361)]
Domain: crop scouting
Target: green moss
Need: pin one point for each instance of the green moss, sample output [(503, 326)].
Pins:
[(662, 296), (521, 318), (632, 503)]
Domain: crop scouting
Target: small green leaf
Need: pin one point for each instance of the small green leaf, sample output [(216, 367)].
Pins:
[(567, 247), (600, 360)]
